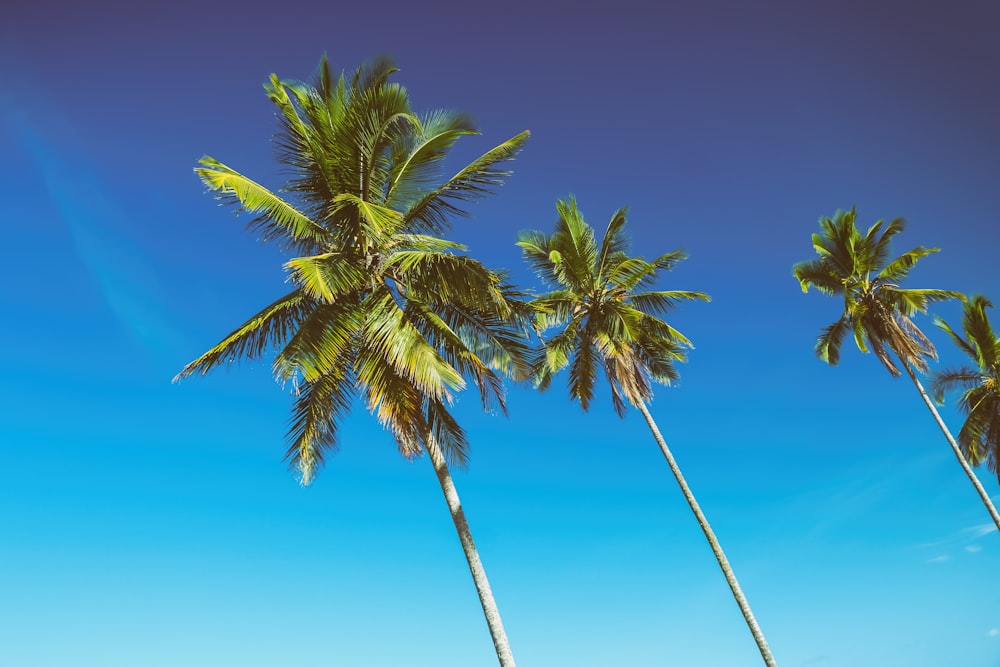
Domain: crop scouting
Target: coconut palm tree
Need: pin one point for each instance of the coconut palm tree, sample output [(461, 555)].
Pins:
[(877, 311), (381, 309), (606, 316), (979, 437)]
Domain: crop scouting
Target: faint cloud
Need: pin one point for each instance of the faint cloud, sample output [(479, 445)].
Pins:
[(973, 548), (981, 530), (993, 632), (939, 559)]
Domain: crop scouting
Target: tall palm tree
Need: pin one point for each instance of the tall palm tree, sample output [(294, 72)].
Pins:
[(877, 310), (381, 308), (979, 437), (606, 316)]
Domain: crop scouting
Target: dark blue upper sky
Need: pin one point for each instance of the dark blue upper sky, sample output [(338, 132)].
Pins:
[(154, 524)]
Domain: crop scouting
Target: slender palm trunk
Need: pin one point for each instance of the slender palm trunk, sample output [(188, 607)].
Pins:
[(727, 570), (471, 554), (955, 448)]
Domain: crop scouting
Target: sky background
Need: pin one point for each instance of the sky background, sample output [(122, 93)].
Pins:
[(154, 524)]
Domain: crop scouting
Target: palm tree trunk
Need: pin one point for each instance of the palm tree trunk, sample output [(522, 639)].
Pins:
[(727, 570), (955, 448), (471, 554)]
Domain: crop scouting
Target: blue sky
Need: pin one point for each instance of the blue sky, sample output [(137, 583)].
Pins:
[(145, 523)]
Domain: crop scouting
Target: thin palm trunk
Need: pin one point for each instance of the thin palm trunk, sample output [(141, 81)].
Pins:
[(955, 448), (471, 554), (727, 570)]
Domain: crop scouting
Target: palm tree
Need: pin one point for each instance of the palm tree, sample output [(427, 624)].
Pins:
[(877, 310), (607, 316), (382, 309), (979, 437)]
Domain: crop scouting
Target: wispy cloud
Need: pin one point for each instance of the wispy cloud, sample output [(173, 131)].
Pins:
[(993, 632), (981, 530), (939, 559), (973, 548)]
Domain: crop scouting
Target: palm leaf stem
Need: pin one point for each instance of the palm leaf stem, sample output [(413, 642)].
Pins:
[(727, 570)]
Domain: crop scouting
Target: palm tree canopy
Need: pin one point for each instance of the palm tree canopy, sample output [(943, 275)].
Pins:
[(381, 308), (877, 310), (604, 310), (980, 398)]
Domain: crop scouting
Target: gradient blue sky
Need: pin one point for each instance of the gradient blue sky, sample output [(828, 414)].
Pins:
[(145, 523)]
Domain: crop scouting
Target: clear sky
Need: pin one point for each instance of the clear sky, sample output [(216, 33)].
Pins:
[(150, 524)]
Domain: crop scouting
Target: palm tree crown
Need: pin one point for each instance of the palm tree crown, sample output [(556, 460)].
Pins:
[(606, 315), (877, 310), (381, 307), (980, 400)]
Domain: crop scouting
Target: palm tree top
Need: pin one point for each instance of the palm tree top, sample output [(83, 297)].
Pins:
[(603, 308), (382, 308), (877, 310)]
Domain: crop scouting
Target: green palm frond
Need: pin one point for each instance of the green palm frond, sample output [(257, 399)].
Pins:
[(816, 273), (615, 242), (534, 245), (320, 342), (319, 407), (960, 343), (480, 177), (266, 331), (949, 379), (421, 155), (899, 268), (275, 218), (448, 433), (662, 302), (324, 277), (582, 371), (911, 301), (980, 333), (829, 341), (879, 241), (399, 343)]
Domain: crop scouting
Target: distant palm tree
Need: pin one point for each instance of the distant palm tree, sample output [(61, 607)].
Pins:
[(877, 310), (607, 320), (382, 308), (980, 435)]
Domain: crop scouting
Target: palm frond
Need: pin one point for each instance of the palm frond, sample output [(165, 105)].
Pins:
[(449, 435), (615, 242), (829, 341), (949, 379), (662, 302), (326, 276), (581, 371), (816, 273), (479, 178), (320, 343), (899, 268), (276, 219), (319, 407), (265, 331)]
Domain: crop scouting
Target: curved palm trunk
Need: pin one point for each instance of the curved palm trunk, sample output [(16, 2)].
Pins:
[(471, 554), (727, 570), (955, 448)]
